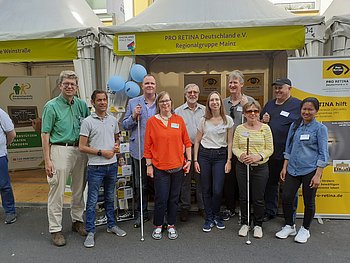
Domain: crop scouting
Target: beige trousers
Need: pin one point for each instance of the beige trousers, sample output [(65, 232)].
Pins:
[(67, 160)]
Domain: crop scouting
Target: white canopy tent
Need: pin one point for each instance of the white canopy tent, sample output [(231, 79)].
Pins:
[(169, 15), (338, 28), (54, 19)]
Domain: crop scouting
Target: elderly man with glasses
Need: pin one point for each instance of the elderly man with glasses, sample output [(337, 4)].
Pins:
[(234, 107)]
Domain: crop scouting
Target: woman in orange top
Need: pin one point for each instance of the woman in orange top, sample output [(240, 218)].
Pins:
[(165, 139)]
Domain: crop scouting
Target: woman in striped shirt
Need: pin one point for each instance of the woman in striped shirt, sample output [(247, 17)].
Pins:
[(253, 145)]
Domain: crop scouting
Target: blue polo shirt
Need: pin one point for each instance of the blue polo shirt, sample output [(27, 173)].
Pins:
[(308, 149)]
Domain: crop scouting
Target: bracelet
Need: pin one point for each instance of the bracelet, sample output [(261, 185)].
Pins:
[(189, 161), (195, 161), (148, 164)]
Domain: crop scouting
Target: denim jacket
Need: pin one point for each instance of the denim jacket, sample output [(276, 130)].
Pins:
[(130, 124), (308, 149)]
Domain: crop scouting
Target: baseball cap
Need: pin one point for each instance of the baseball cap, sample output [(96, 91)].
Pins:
[(282, 81)]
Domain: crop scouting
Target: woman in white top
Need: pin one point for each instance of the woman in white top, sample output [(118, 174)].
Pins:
[(212, 157)]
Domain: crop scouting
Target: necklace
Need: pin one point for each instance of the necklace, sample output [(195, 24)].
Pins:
[(164, 118)]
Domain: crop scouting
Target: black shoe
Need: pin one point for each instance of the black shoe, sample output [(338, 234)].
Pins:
[(268, 217), (137, 222), (184, 215)]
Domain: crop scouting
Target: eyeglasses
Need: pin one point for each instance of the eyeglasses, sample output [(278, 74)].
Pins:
[(252, 111), (67, 84), (164, 101), (232, 112)]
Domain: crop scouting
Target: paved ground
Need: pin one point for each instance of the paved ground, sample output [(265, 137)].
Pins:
[(29, 241)]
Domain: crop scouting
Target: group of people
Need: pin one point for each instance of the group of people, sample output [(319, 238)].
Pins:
[(219, 145)]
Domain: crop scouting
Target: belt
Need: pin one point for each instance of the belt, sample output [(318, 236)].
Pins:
[(76, 143)]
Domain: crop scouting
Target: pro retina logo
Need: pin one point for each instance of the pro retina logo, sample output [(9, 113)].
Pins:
[(338, 69), (253, 80)]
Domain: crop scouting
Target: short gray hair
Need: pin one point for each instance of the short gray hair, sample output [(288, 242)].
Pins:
[(236, 74), (67, 74), (191, 85)]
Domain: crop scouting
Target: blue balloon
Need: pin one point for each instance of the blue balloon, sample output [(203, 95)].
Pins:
[(138, 72), (116, 83), (132, 89)]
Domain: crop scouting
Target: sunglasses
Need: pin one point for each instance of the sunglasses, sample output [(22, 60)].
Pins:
[(252, 111)]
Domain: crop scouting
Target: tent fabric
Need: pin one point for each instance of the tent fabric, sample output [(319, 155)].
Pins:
[(165, 15), (338, 27), (36, 19)]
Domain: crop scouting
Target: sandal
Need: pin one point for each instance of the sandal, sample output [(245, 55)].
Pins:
[(157, 232), (172, 233)]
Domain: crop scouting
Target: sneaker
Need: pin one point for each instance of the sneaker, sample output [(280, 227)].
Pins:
[(243, 232), (157, 232), (10, 218), (258, 233), (116, 230), (137, 222), (302, 236), (208, 224), (219, 224), (286, 231), (90, 240), (184, 215), (227, 214), (78, 227), (58, 239), (101, 221), (172, 233)]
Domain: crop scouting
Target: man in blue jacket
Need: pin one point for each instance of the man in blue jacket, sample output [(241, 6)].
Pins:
[(140, 108)]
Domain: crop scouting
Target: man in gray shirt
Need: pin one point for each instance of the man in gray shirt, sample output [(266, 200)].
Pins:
[(99, 139), (234, 107), (191, 112)]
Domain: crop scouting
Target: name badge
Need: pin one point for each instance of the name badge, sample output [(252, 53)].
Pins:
[(245, 134), (239, 108), (304, 137), (175, 125), (284, 113)]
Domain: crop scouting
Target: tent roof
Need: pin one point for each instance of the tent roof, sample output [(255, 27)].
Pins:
[(165, 15), (36, 19), (339, 10)]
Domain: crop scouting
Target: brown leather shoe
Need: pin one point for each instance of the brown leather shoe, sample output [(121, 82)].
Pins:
[(58, 239), (79, 227)]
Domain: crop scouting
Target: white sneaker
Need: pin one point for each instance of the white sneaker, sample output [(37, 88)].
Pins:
[(258, 233), (286, 231), (243, 232), (302, 236)]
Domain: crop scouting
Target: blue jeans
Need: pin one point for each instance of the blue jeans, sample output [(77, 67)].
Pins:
[(96, 175), (258, 176), (7, 198), (212, 164), (167, 187)]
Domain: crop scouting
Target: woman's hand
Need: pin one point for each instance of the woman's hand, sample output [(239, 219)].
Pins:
[(250, 158), (228, 166), (187, 167), (150, 171), (197, 167), (315, 181), (283, 174)]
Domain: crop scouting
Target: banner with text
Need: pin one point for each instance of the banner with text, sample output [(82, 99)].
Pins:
[(38, 50), (210, 40), (24, 98), (328, 79)]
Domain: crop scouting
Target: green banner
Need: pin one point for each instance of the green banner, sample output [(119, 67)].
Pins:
[(26, 140), (55, 49), (210, 40)]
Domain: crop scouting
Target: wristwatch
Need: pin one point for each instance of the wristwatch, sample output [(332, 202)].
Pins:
[(99, 153), (148, 164)]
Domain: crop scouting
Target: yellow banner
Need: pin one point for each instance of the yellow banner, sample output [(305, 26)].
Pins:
[(210, 40), (38, 50)]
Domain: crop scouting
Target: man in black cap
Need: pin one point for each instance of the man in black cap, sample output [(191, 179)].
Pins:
[(279, 114)]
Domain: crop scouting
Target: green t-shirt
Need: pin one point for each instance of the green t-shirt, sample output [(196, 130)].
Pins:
[(62, 120)]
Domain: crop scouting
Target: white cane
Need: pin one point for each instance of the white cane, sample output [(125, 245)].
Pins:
[(140, 173), (248, 242)]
